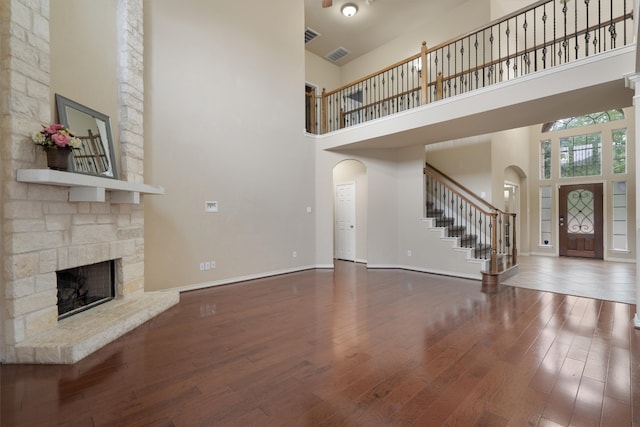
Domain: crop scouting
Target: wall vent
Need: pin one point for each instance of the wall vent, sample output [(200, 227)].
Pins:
[(337, 54), (310, 35)]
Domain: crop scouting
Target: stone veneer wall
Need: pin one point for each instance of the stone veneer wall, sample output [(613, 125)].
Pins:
[(41, 230)]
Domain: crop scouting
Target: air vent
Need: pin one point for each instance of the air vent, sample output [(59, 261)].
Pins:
[(337, 54), (310, 35)]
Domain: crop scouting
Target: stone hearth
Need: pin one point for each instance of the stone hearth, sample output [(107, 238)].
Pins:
[(78, 336)]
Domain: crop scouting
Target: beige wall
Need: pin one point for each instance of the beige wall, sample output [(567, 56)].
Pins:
[(84, 54), (468, 161), (321, 73), (445, 25), (224, 122), (510, 162), (500, 8)]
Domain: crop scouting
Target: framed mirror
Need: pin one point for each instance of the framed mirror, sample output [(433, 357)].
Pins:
[(96, 155)]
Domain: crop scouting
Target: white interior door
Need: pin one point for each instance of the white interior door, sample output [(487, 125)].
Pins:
[(345, 228)]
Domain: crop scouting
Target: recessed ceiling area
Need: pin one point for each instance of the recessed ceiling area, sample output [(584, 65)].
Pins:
[(376, 23)]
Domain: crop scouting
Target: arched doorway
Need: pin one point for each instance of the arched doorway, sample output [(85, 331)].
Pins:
[(350, 211)]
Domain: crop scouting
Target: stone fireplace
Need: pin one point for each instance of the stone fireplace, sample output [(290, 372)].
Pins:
[(55, 221)]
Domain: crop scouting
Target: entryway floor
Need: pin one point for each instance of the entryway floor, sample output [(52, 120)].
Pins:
[(605, 280)]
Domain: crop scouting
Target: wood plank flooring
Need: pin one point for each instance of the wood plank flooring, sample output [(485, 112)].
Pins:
[(350, 347)]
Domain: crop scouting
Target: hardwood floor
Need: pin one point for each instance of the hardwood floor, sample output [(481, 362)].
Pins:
[(352, 347)]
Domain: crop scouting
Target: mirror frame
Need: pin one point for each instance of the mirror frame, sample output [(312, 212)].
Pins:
[(91, 150)]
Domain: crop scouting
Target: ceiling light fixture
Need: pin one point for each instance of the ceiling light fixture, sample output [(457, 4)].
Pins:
[(349, 9)]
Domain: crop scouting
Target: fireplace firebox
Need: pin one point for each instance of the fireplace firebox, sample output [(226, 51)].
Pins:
[(84, 287)]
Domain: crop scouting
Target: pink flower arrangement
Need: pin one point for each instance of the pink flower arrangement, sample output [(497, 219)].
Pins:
[(56, 136)]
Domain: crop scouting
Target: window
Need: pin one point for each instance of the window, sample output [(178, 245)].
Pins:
[(545, 159), (586, 120), (545, 215), (620, 216), (619, 137), (580, 155)]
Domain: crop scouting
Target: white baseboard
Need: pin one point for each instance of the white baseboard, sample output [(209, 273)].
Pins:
[(231, 280), (239, 279), (427, 270)]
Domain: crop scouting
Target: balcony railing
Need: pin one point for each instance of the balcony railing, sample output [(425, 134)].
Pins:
[(542, 36)]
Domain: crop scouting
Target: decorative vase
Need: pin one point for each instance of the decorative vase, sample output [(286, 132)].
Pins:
[(58, 158)]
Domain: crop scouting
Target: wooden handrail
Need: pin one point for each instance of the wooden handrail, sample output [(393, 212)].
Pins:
[(457, 184)]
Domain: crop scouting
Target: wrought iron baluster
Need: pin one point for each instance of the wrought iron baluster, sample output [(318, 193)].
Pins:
[(470, 221), (498, 76), (484, 59), (565, 44), (491, 68), (515, 49), (586, 33), (555, 26), (500, 234), (575, 26), (544, 36), (508, 63), (490, 241), (612, 28), (624, 22), (535, 49)]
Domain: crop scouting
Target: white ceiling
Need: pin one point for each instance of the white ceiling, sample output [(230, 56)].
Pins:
[(376, 23)]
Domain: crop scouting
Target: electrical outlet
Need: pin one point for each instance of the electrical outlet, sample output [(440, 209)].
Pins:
[(211, 206), (409, 253), (295, 254)]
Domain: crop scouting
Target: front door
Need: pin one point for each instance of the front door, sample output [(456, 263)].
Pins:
[(580, 226)]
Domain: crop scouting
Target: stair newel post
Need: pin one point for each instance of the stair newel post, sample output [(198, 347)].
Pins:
[(494, 242), (324, 111), (424, 77)]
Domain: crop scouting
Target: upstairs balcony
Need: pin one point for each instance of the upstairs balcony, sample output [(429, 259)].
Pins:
[(555, 58)]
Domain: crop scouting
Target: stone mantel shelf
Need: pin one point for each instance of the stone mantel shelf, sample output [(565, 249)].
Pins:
[(89, 188)]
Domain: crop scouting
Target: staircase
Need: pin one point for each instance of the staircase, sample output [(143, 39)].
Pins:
[(485, 231), (479, 250)]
